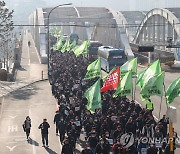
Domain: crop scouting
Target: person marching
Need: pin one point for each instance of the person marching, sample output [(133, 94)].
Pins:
[(44, 132), (62, 129), (27, 126), (29, 43), (56, 120)]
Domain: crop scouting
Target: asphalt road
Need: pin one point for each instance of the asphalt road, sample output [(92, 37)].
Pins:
[(37, 102)]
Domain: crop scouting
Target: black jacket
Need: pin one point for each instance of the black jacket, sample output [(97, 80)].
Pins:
[(57, 118), (44, 127), (93, 141), (87, 151), (61, 126), (104, 148), (67, 149)]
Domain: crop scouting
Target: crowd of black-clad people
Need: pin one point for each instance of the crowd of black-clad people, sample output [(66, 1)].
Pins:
[(104, 130)]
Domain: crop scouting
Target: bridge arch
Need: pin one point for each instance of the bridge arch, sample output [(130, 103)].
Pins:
[(157, 25)]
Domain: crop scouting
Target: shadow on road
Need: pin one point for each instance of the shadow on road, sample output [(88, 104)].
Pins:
[(24, 93), (33, 142), (21, 69), (50, 151)]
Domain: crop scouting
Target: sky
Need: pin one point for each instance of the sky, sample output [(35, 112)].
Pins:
[(122, 5), (23, 8)]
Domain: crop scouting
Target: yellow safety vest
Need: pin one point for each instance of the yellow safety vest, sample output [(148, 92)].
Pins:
[(149, 105)]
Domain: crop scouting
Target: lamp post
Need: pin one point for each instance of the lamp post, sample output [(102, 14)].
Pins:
[(48, 48)]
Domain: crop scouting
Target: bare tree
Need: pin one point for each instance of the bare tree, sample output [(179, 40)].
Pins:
[(6, 28), (6, 22)]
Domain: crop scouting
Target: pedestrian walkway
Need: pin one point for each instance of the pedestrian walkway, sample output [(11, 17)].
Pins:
[(31, 69)]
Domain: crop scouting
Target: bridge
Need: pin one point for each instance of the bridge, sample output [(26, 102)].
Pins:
[(118, 29), (154, 28), (89, 23)]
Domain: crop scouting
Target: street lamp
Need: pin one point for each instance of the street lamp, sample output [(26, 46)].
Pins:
[(48, 27)]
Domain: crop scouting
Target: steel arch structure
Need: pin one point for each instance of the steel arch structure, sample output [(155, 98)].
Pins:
[(153, 18)]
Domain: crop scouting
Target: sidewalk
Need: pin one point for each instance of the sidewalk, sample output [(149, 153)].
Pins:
[(30, 71)]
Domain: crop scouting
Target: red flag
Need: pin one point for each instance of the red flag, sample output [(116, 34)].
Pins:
[(112, 80)]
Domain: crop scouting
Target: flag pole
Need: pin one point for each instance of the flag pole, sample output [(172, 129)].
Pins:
[(135, 89), (134, 97), (165, 95), (160, 106), (170, 126), (132, 86), (120, 85), (100, 68), (171, 146)]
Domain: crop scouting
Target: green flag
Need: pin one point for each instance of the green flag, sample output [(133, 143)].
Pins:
[(130, 65), (65, 47), (154, 86), (173, 91), (59, 44), (82, 48), (72, 46), (140, 75), (68, 47), (55, 31), (93, 96), (125, 86), (93, 70), (152, 70)]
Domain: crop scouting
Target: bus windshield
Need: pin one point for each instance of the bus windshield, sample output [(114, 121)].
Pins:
[(117, 57)]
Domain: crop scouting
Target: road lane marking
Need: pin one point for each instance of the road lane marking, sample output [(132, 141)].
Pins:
[(13, 128), (11, 148), (12, 117)]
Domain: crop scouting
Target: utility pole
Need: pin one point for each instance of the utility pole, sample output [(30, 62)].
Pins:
[(48, 48)]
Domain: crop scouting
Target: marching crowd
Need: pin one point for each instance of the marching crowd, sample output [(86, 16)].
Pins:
[(120, 126)]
